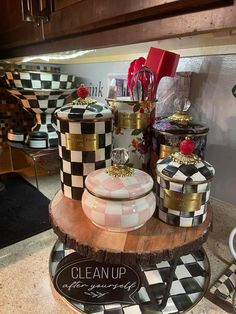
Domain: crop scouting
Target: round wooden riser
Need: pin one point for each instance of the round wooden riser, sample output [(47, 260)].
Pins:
[(154, 242)]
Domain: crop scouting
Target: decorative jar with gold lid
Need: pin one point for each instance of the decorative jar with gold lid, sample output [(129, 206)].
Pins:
[(119, 198), (169, 132), (183, 187)]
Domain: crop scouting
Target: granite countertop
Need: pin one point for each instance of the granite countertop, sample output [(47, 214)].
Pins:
[(25, 283)]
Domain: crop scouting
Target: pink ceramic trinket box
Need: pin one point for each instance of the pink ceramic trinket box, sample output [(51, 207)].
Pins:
[(119, 198)]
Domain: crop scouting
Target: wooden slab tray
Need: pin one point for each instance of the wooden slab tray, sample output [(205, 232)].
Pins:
[(152, 243)]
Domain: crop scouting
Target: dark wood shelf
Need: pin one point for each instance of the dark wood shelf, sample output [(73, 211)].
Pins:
[(152, 243)]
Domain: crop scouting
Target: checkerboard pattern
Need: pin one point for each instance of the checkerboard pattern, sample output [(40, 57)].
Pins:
[(12, 115), (43, 104), (182, 218), (201, 173), (76, 165), (102, 184), (38, 101), (120, 216), (45, 124), (39, 80), (188, 286), (224, 287), (32, 67), (76, 111)]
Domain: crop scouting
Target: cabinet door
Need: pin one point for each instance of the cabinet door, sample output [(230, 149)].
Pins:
[(15, 32), (60, 4), (73, 18)]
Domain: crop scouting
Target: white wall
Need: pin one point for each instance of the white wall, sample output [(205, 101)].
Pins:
[(212, 103), (93, 73), (215, 105)]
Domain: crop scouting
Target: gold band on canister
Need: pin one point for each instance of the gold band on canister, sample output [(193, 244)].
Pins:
[(133, 120), (81, 142), (166, 150), (187, 202)]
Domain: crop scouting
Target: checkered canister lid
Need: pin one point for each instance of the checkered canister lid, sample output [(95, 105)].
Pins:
[(185, 167), (119, 181), (84, 108)]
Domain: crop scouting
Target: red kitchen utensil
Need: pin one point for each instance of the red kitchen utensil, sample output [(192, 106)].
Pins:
[(161, 63), (134, 66)]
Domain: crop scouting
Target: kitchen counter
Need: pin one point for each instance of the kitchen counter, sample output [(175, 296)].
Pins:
[(25, 283)]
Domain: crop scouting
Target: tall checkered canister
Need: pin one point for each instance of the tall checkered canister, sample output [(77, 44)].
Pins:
[(183, 187), (85, 142)]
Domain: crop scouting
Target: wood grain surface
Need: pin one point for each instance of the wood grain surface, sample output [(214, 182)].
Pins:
[(153, 242)]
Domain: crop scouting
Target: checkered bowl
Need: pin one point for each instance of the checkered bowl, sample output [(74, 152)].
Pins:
[(41, 93), (39, 80), (43, 103)]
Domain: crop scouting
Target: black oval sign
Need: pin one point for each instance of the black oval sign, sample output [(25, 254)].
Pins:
[(88, 281)]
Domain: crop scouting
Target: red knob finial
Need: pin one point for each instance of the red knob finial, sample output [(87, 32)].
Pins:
[(82, 91), (187, 147)]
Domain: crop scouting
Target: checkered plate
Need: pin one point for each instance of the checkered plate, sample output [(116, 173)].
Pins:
[(190, 282), (223, 290)]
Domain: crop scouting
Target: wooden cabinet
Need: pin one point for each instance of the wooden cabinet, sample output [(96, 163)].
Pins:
[(77, 18), (14, 31), (89, 24)]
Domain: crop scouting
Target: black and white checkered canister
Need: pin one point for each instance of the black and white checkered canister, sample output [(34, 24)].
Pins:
[(183, 192), (85, 144)]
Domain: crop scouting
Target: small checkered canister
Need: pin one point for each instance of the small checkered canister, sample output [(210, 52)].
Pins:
[(183, 187), (85, 142), (168, 133)]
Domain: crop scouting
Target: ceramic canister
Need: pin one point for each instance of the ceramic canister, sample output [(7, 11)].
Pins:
[(118, 198), (85, 142), (37, 139), (183, 187), (169, 132), (132, 123), (16, 135)]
